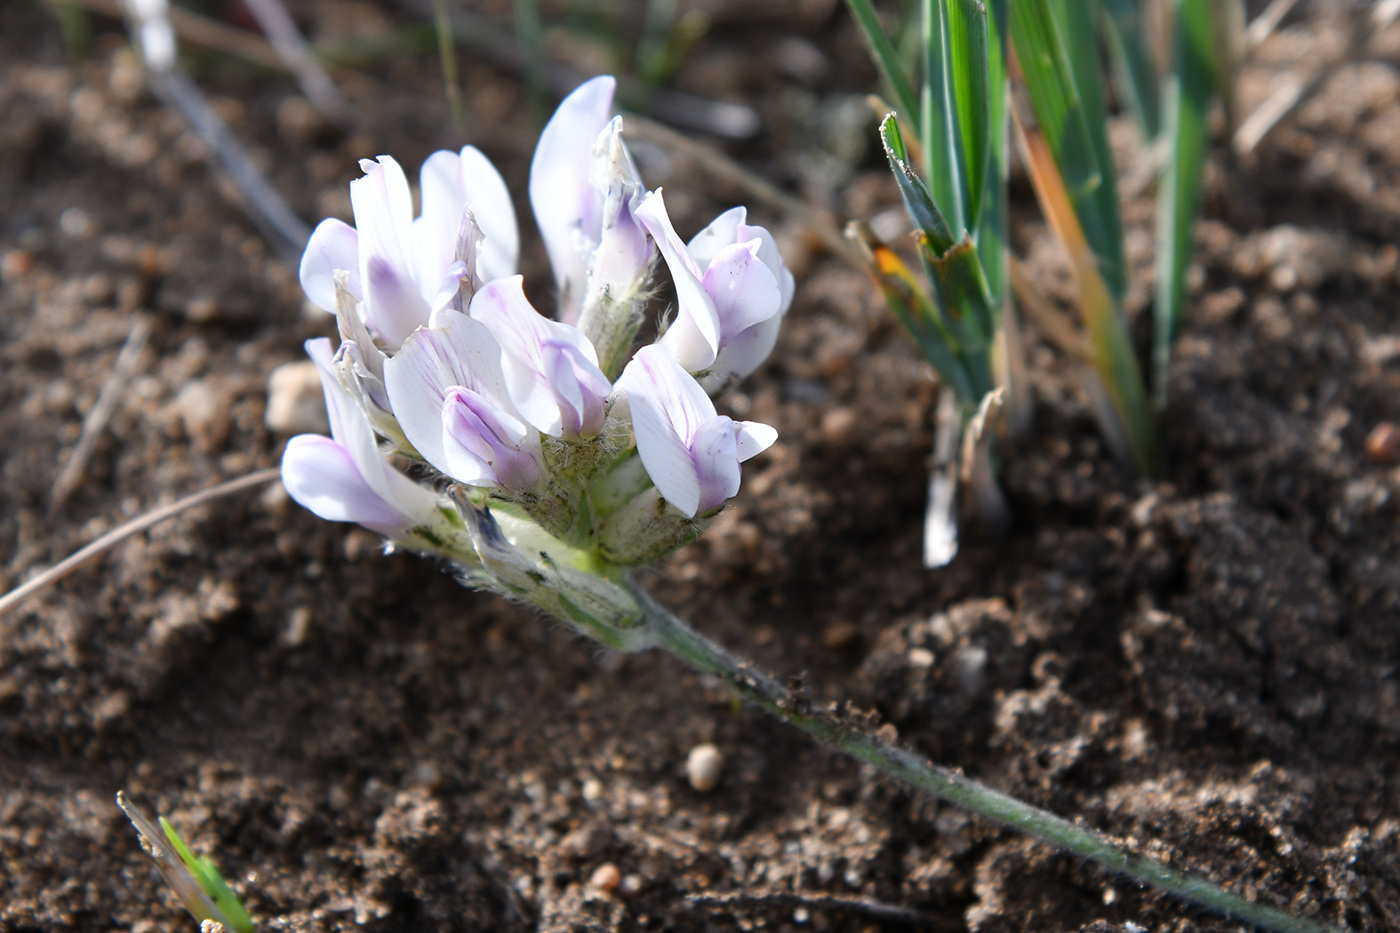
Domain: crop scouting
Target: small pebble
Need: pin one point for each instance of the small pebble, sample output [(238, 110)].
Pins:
[(17, 263), (592, 789), (702, 767), (1383, 443), (839, 426), (921, 658), (605, 877), (840, 635), (294, 401)]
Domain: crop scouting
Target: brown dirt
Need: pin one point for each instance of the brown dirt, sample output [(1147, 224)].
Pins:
[(1205, 668)]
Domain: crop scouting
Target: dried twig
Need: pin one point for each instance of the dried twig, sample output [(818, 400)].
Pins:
[(134, 527), (292, 48), (96, 420), (1293, 91), (858, 905)]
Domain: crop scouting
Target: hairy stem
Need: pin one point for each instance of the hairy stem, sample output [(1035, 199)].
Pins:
[(856, 740)]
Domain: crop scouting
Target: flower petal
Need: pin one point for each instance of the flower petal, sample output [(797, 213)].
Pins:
[(566, 206), (334, 245), (753, 438), (694, 335), (452, 183), (743, 289), (668, 409), (716, 463), (383, 208), (723, 231), (458, 352), (322, 476)]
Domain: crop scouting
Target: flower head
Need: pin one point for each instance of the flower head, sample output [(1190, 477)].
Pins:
[(398, 266), (690, 452), (732, 291), (447, 388), (584, 206), (343, 478)]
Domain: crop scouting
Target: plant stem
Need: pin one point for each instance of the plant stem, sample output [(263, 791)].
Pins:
[(855, 739)]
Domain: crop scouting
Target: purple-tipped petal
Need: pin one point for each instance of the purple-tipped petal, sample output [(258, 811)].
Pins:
[(334, 245), (451, 184), (485, 446), (723, 231), (548, 395), (580, 388), (460, 352), (694, 336), (383, 208), (567, 208), (321, 475), (743, 289), (715, 452)]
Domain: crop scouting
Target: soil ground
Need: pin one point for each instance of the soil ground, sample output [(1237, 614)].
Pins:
[(1207, 668)]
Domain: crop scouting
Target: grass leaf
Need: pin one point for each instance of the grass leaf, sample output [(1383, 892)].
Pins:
[(1188, 91), (1132, 59)]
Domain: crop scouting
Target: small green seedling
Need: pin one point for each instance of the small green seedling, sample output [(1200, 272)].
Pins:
[(195, 880)]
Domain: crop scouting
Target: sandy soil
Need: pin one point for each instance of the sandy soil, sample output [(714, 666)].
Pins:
[(1205, 668)]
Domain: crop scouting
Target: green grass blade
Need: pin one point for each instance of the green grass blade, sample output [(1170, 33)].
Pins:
[(990, 234), (960, 289), (938, 123), (1187, 96), (1127, 45), (1049, 81), (917, 198), (886, 60), (211, 882), (1099, 213), (965, 58)]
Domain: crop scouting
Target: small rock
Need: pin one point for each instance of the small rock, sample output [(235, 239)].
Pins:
[(17, 263), (294, 401), (202, 310), (840, 635), (921, 658), (703, 765), (1383, 443), (204, 413), (838, 426), (592, 789), (605, 877)]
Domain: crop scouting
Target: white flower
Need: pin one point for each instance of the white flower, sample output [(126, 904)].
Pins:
[(449, 394), (343, 478), (551, 370), (732, 290), (691, 453), (583, 189), (399, 267)]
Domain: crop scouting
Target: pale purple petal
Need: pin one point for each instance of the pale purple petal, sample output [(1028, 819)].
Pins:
[(450, 184), (485, 446), (723, 231), (694, 335), (460, 352), (747, 351), (624, 252), (768, 254), (523, 333), (322, 476), (489, 199), (567, 208), (350, 427), (743, 289), (753, 438), (334, 245), (716, 457), (580, 388), (384, 221), (668, 410)]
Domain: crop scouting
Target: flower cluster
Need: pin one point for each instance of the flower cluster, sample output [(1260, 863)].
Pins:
[(568, 453)]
